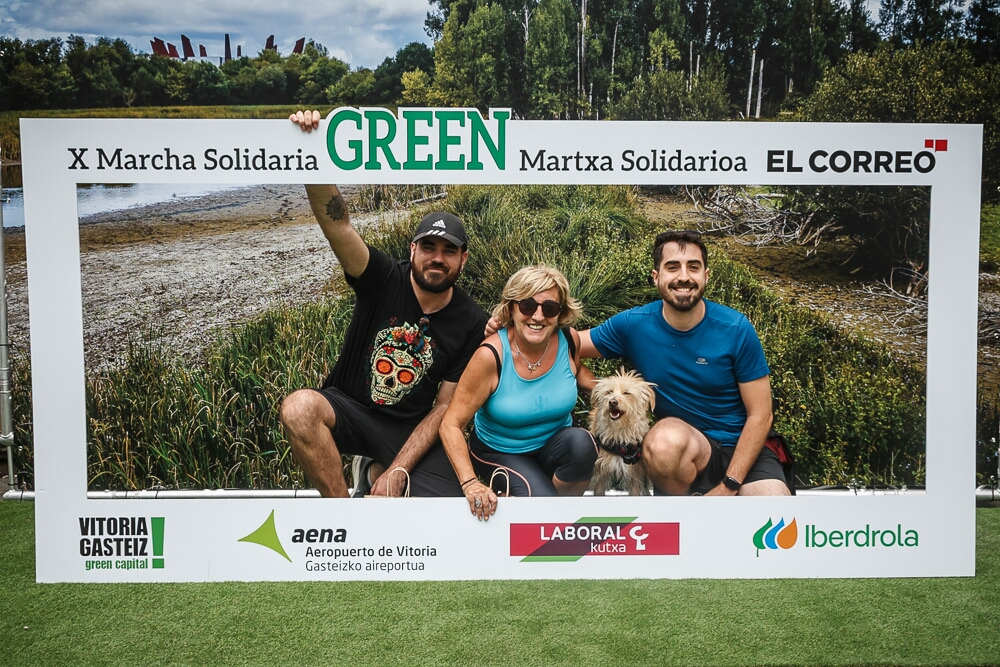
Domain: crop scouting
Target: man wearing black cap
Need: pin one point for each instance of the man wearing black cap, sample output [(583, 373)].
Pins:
[(410, 337)]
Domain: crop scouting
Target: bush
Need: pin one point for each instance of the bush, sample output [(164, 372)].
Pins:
[(664, 95)]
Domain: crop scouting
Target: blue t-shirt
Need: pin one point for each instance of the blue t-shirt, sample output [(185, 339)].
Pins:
[(522, 414), (697, 371)]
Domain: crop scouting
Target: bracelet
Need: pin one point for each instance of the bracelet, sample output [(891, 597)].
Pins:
[(469, 481)]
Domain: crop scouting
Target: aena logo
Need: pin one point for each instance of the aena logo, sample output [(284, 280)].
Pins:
[(267, 536), (776, 536)]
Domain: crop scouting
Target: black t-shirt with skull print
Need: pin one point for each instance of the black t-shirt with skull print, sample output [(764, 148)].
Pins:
[(394, 356)]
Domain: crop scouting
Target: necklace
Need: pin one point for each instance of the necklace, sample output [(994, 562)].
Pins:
[(532, 367)]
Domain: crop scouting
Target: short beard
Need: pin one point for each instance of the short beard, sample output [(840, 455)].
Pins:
[(685, 306), (445, 284)]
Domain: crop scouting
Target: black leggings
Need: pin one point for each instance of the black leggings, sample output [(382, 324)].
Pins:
[(569, 454)]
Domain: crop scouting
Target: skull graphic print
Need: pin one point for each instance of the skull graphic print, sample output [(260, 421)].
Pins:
[(401, 356)]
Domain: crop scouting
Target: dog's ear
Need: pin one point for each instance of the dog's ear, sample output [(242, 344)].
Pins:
[(652, 396)]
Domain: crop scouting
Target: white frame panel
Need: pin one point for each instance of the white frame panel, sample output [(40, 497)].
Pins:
[(437, 538)]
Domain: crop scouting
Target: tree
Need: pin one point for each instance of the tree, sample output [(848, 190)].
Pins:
[(205, 83), (982, 27), (389, 75), (416, 88), (472, 62), (353, 89), (813, 32), (551, 65), (665, 95), (319, 77), (861, 32)]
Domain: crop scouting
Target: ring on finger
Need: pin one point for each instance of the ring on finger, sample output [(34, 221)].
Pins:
[(478, 503)]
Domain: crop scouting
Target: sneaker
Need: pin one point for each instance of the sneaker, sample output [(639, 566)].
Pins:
[(365, 471)]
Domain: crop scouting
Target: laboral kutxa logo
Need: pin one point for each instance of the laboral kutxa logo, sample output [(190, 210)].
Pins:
[(121, 542), (840, 160), (593, 536)]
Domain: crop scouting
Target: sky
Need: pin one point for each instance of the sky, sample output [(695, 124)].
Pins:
[(360, 32)]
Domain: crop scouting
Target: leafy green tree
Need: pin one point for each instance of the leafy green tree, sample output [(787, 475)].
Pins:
[(319, 77), (892, 21), (389, 75), (813, 32), (472, 64), (205, 83), (416, 88), (353, 89), (665, 95), (932, 20), (982, 27), (551, 65), (861, 34), (241, 76)]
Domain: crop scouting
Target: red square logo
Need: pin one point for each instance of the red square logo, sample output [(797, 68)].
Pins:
[(940, 145), (928, 143)]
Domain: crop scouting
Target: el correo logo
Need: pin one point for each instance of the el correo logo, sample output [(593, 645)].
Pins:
[(432, 139), (593, 536), (859, 161)]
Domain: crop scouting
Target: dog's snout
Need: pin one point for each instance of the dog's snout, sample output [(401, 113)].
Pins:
[(613, 402)]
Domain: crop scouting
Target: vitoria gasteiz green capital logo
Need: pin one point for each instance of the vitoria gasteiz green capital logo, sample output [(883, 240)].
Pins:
[(434, 139), (122, 542)]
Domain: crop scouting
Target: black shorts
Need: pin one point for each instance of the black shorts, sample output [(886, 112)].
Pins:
[(569, 455), (365, 432), (767, 466)]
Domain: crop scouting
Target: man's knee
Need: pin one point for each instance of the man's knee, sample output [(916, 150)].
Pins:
[(765, 487), (669, 442), (302, 410)]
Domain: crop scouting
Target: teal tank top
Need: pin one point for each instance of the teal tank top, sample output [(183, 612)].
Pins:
[(521, 415)]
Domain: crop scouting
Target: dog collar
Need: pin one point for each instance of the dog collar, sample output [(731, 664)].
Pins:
[(630, 453)]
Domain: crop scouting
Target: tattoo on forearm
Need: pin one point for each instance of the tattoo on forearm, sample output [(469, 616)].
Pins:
[(335, 209)]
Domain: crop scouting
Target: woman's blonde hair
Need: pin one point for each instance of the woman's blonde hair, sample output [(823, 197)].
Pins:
[(529, 281)]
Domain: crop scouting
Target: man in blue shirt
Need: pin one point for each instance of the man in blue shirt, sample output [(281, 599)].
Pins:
[(713, 392)]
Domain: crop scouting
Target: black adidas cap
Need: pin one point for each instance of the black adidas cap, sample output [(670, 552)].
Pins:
[(442, 224)]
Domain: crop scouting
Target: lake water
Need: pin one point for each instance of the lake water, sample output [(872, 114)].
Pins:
[(93, 199)]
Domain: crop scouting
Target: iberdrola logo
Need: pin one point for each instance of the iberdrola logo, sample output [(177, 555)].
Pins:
[(776, 536)]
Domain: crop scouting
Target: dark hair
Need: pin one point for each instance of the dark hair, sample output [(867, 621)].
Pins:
[(681, 237)]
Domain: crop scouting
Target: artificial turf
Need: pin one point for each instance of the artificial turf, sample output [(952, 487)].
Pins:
[(951, 621)]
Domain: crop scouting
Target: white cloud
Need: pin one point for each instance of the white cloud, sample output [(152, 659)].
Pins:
[(362, 32)]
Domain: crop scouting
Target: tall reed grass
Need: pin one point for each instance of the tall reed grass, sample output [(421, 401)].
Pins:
[(851, 410)]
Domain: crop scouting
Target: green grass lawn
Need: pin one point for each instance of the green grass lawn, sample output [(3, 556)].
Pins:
[(632, 622)]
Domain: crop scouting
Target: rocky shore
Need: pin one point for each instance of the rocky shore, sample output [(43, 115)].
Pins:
[(180, 271)]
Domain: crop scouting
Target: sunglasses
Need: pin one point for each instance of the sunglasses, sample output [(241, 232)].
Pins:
[(528, 307)]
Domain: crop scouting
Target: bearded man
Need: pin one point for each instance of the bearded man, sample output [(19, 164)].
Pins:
[(411, 334), (713, 391)]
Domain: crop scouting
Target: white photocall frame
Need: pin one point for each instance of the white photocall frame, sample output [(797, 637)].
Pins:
[(284, 539)]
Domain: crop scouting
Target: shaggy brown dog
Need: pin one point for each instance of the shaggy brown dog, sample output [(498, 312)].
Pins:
[(619, 421)]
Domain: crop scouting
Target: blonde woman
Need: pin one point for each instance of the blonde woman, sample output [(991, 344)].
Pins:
[(519, 389)]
